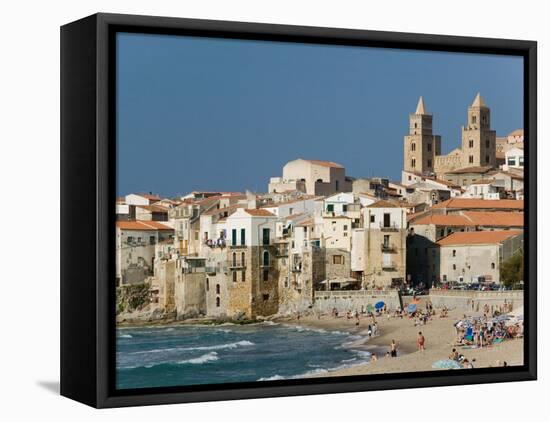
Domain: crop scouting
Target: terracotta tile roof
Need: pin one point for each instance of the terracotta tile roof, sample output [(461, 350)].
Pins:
[(149, 196), (230, 209), (153, 208), (478, 237), (483, 182), (465, 203), (495, 218), (383, 204), (451, 220), (290, 201), (480, 169), (259, 212), (306, 223), (325, 163), (142, 225)]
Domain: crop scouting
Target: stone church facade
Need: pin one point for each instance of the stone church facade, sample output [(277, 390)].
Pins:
[(422, 149)]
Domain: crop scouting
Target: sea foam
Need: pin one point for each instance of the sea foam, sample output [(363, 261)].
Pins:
[(208, 357)]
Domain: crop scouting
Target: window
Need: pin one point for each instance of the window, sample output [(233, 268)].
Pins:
[(454, 252), (416, 125), (243, 276), (207, 285), (243, 237), (265, 296), (512, 161), (338, 259), (471, 143), (474, 119), (413, 163), (234, 237), (372, 218), (486, 158), (454, 266), (265, 236), (387, 219), (410, 178), (152, 240), (139, 239), (429, 163), (205, 235), (345, 234), (265, 259), (521, 161), (330, 207), (336, 183), (492, 265), (217, 302), (234, 276), (234, 259), (345, 208), (266, 275), (413, 147), (243, 260), (345, 227), (386, 240), (471, 159), (429, 147), (217, 289), (487, 143)]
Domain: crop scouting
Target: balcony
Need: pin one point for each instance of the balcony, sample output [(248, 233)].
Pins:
[(213, 269), (392, 227), (297, 268), (237, 265), (389, 266)]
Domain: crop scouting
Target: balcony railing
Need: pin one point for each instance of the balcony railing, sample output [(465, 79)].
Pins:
[(392, 227), (390, 266)]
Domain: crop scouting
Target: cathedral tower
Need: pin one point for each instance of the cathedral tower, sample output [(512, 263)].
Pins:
[(478, 140), (421, 146)]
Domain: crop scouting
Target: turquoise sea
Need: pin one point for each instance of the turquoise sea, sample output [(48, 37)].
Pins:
[(191, 355)]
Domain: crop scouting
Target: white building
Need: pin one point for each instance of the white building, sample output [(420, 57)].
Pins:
[(513, 158)]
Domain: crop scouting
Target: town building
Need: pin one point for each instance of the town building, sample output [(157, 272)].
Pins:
[(135, 249), (384, 245), (472, 257), (314, 177)]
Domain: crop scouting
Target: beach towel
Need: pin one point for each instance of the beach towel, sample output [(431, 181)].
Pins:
[(446, 364)]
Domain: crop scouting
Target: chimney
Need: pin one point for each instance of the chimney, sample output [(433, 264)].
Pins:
[(250, 200)]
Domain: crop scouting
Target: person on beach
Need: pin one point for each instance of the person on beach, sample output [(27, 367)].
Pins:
[(420, 340), (369, 330), (374, 329), (454, 355), (373, 357), (393, 349)]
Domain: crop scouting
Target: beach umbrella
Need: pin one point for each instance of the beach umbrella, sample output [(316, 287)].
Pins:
[(369, 308), (379, 305), (411, 308)]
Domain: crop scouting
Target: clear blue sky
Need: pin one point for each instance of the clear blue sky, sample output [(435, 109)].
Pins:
[(218, 114)]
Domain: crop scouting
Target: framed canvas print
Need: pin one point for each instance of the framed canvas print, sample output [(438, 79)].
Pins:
[(253, 210)]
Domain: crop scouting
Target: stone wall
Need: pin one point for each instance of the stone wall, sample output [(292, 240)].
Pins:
[(469, 300), (190, 295), (342, 300)]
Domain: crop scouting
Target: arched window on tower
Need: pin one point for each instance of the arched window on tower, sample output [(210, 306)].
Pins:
[(413, 147), (413, 162)]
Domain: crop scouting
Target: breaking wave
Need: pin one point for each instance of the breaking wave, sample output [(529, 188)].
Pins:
[(208, 357)]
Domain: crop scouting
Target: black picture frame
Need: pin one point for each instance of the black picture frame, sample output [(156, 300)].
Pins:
[(88, 172)]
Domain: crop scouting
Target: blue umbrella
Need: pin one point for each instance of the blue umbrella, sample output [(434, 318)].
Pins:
[(411, 308), (379, 305)]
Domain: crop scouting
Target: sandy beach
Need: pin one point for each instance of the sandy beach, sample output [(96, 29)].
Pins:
[(439, 334)]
